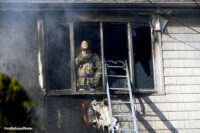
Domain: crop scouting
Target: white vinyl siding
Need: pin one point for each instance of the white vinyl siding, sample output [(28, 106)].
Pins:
[(179, 109)]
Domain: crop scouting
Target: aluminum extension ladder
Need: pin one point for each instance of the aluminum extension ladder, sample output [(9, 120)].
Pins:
[(124, 67)]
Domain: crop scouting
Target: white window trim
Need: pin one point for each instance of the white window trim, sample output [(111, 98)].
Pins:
[(156, 44), (157, 56)]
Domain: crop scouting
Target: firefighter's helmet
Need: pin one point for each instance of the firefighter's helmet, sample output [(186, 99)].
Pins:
[(84, 45)]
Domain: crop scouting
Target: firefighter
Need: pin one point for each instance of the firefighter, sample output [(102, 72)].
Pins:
[(88, 68)]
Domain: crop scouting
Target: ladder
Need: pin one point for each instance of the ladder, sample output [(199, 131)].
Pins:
[(122, 66)]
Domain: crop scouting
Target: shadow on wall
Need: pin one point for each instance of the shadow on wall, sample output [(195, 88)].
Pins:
[(16, 108), (158, 114)]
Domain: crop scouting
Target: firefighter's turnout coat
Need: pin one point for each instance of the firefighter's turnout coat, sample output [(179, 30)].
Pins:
[(88, 71)]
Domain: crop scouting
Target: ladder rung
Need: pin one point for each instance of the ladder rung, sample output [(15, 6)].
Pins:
[(116, 66), (120, 76), (119, 89), (120, 101), (123, 115), (125, 130)]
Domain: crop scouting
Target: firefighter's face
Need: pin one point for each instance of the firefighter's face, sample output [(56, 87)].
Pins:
[(84, 52)]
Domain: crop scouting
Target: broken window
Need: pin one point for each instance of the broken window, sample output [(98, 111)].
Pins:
[(58, 57), (87, 56), (116, 48), (64, 49), (143, 63)]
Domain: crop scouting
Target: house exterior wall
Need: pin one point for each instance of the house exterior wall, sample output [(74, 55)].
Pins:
[(179, 109), (176, 111)]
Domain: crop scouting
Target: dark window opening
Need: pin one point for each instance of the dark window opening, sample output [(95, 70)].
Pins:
[(115, 41), (117, 82), (88, 56), (58, 57), (142, 49), (116, 48)]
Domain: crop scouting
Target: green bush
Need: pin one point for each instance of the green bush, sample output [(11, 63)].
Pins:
[(16, 108)]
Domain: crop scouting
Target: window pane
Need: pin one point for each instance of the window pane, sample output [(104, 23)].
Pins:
[(88, 54), (58, 57), (143, 57)]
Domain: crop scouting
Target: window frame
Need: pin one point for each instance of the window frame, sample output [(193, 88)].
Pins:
[(158, 76), (156, 48), (73, 84)]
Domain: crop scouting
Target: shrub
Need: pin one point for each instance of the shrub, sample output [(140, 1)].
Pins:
[(16, 108)]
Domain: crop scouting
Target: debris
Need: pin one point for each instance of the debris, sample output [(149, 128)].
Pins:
[(97, 114)]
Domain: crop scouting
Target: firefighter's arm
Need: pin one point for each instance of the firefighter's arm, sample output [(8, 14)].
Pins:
[(78, 60)]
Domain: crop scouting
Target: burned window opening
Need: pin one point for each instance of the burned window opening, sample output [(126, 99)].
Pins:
[(142, 50), (116, 48), (115, 41), (58, 57)]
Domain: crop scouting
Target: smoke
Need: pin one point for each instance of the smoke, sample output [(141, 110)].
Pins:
[(18, 37), (20, 47), (22, 53)]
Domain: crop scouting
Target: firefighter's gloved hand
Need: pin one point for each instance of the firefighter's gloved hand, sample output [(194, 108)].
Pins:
[(96, 82)]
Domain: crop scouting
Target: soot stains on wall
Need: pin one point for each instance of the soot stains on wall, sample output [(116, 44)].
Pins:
[(19, 60), (18, 55), (64, 114)]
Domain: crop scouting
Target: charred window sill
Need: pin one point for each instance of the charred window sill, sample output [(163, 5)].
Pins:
[(73, 92), (86, 92)]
